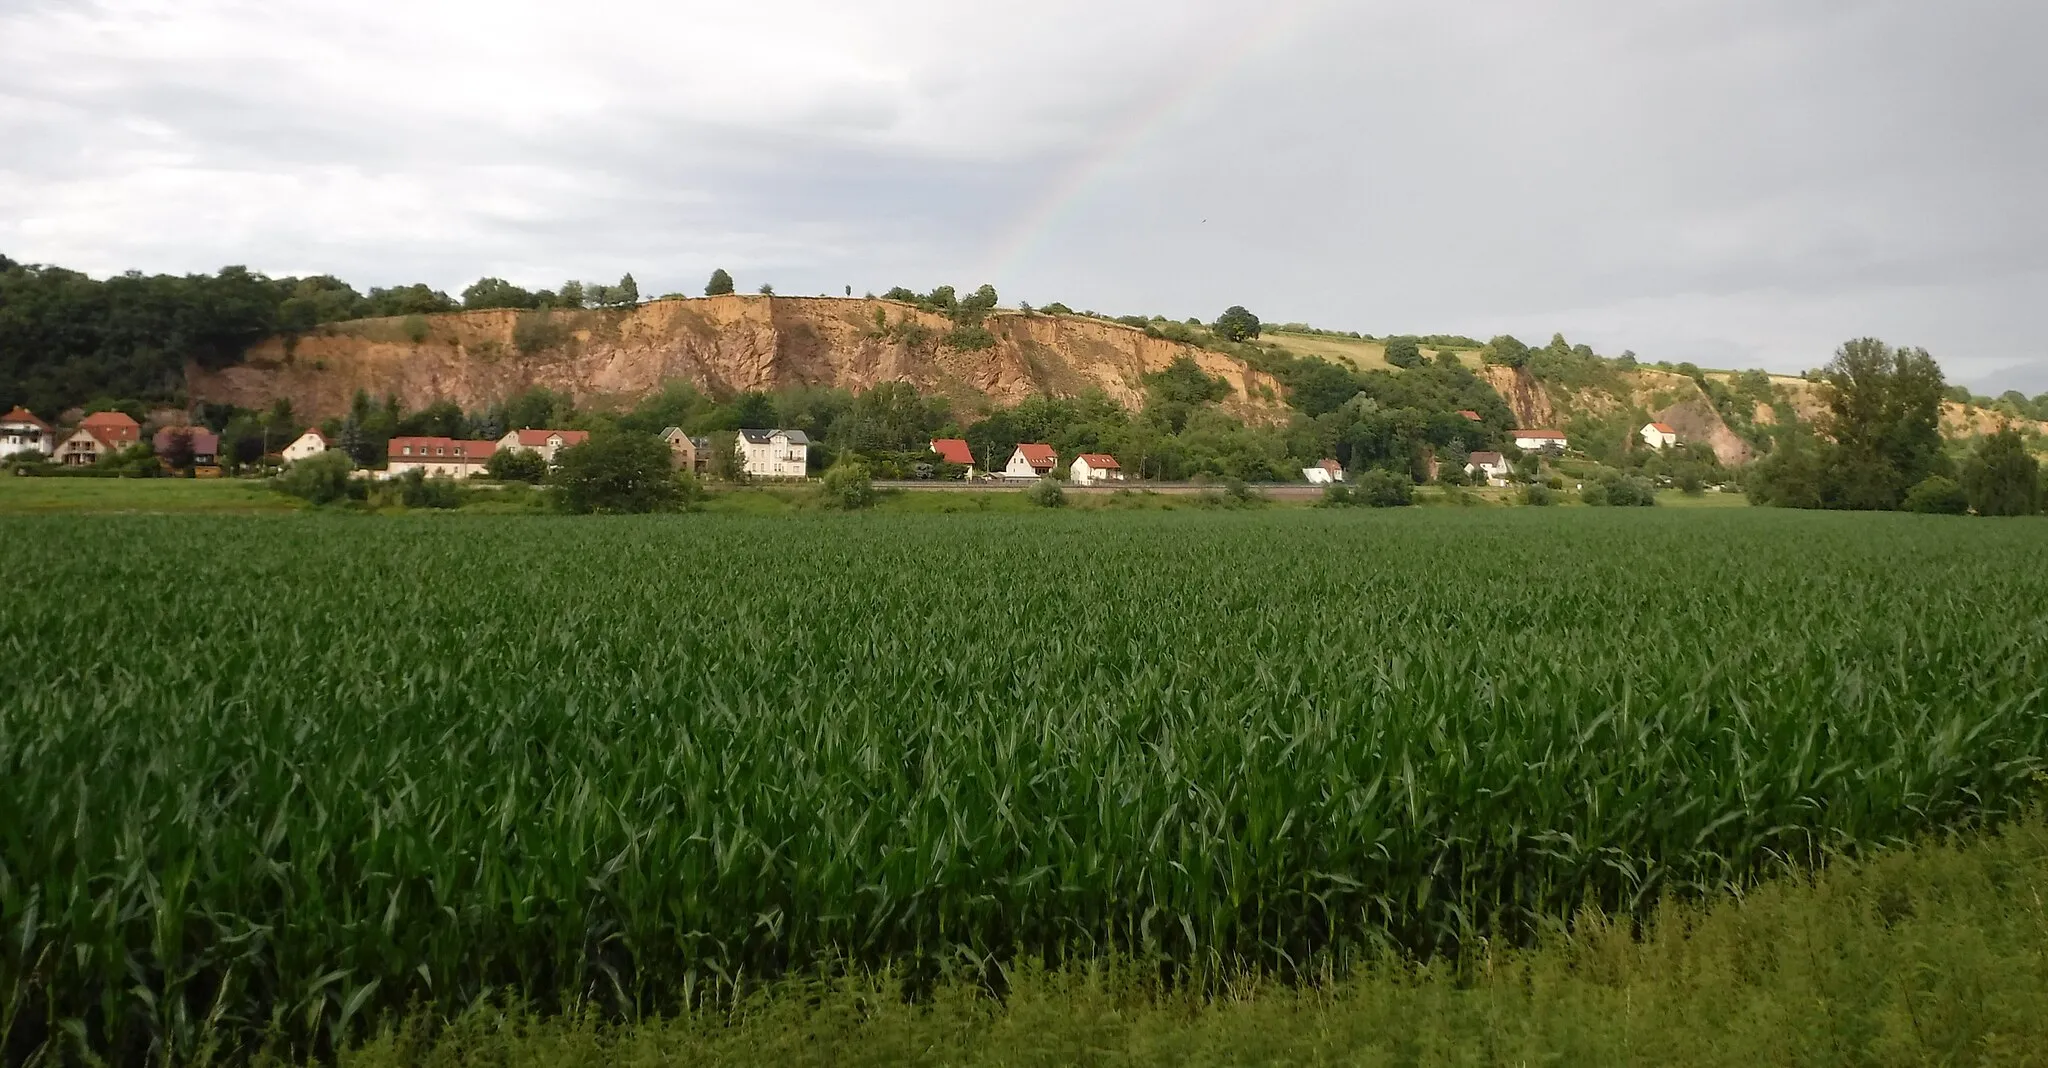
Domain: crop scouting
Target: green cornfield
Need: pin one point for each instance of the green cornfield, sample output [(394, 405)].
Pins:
[(276, 779)]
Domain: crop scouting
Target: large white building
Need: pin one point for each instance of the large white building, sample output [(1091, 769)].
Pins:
[(1031, 460), (310, 443), (1659, 435), (436, 457), (1533, 440), (774, 453), (1491, 466), (1324, 473), (21, 431), (1095, 467), (545, 442)]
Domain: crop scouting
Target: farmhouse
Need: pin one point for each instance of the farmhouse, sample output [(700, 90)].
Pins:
[(774, 453), (21, 431), (1659, 436), (310, 443), (1533, 440), (545, 442), (1491, 466), (205, 443), (100, 435), (1034, 460), (955, 451), (688, 453), (438, 457), (1095, 467), (1324, 473)]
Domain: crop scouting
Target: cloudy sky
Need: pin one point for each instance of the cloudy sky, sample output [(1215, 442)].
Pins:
[(1735, 182)]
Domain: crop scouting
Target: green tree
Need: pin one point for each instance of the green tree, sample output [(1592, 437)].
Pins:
[(1048, 493), (1404, 352), (720, 284), (1937, 495), (1506, 351), (2000, 478), (1379, 488), (722, 461), (1237, 324), (517, 465), (497, 293), (1884, 414), (627, 293), (321, 478), (177, 451), (846, 486), (571, 294), (767, 289), (617, 472)]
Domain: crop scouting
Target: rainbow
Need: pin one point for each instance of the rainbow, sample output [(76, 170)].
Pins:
[(1123, 137)]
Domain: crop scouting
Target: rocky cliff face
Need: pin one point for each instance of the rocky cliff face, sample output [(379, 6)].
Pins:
[(716, 343), (1659, 396)]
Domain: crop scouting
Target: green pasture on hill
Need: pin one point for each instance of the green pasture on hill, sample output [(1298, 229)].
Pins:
[(289, 779)]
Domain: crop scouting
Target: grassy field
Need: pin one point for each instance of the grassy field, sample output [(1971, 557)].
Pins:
[(1362, 355), (220, 496), (326, 771)]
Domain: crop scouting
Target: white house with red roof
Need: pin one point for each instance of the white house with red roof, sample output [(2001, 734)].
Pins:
[(545, 442), (1491, 466), (1534, 440), (1324, 473), (99, 435), (1659, 435), (1095, 467), (438, 457), (1032, 460), (955, 451), (21, 431), (310, 443)]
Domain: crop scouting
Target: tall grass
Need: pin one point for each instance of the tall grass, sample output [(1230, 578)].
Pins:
[(290, 776)]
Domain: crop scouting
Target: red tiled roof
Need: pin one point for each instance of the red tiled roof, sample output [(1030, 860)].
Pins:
[(110, 420), (1662, 428), (1539, 434), (1492, 459), (954, 451), (23, 415), (1331, 466), (445, 450), (1469, 414), (1101, 461), (315, 434), (1039, 455), (534, 439)]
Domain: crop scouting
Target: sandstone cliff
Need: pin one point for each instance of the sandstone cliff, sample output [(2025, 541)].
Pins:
[(716, 343), (1657, 396)]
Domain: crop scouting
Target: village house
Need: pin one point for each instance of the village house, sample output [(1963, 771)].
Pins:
[(774, 453), (1031, 460), (687, 453), (545, 442), (204, 443), (1659, 436), (1491, 466), (1470, 415), (99, 435), (1535, 440), (310, 443), (1095, 467), (434, 457), (956, 451), (1324, 473), (21, 431)]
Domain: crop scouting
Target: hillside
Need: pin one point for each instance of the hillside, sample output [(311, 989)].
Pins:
[(721, 344)]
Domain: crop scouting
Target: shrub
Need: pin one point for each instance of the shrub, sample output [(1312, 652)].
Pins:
[(1048, 493), (1337, 495), (517, 465), (846, 486), (537, 331), (1385, 489), (416, 490), (1937, 495), (321, 479), (1403, 352), (1538, 495), (1239, 494), (2001, 478), (1620, 491), (415, 327), (970, 338), (618, 472)]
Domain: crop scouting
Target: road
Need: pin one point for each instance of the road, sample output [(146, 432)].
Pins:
[(1274, 490)]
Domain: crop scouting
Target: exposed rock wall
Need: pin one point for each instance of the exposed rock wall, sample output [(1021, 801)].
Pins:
[(717, 343)]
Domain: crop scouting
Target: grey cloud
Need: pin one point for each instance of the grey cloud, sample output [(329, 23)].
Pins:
[(1745, 181)]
